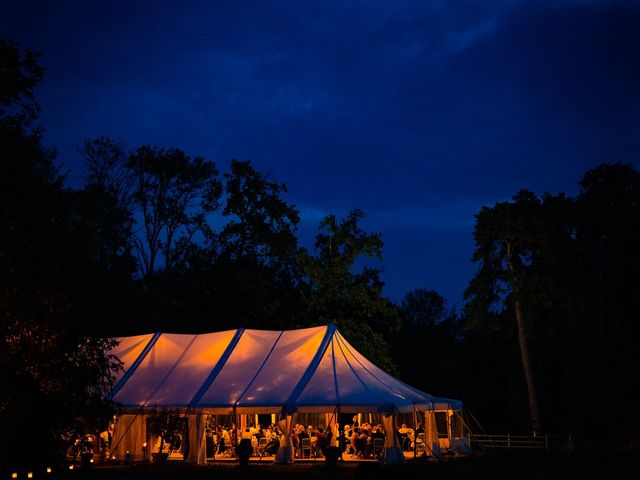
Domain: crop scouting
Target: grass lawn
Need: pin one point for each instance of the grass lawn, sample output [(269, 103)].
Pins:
[(495, 466)]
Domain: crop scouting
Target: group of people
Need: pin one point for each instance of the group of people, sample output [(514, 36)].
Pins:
[(408, 436), (225, 438), (364, 440), (319, 440), (358, 440)]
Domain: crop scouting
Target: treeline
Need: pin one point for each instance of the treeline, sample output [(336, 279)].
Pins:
[(158, 240), (184, 248), (559, 277), (566, 270)]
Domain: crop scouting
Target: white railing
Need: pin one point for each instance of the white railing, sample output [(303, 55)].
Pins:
[(521, 442)]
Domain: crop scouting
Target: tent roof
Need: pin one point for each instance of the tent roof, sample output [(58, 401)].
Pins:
[(306, 370)]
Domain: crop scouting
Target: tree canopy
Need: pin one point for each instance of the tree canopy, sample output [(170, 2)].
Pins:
[(51, 373), (574, 277)]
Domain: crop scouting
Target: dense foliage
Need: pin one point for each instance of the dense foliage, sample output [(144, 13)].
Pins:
[(576, 280), (53, 376)]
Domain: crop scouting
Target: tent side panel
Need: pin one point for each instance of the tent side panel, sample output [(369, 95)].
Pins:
[(309, 373), (153, 370), (129, 435), (283, 369), (239, 370), (191, 370)]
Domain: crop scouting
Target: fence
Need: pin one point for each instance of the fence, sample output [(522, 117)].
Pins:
[(521, 442)]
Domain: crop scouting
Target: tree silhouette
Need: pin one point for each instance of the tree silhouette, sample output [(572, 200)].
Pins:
[(505, 238), (51, 373)]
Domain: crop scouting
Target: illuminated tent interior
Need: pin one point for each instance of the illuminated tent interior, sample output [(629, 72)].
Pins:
[(247, 371)]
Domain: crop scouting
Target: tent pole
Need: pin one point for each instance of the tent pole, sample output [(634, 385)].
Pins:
[(415, 432), (341, 439), (449, 436), (393, 427), (235, 420)]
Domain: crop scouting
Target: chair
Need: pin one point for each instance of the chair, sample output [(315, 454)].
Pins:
[(421, 445), (262, 445), (435, 449), (361, 447), (306, 445), (229, 450), (378, 447), (210, 445)]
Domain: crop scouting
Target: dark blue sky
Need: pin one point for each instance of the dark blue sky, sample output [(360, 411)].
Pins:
[(417, 112)]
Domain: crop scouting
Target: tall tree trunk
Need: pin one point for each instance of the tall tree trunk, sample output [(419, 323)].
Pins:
[(524, 351)]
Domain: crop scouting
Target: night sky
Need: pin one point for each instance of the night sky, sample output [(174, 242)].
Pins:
[(417, 112)]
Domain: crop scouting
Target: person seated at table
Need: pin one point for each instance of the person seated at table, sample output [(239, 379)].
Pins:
[(302, 433), (272, 445), (345, 438), (221, 443), (226, 438), (419, 429), (377, 433), (295, 443), (320, 445), (254, 444), (233, 435), (405, 436), (361, 442), (328, 437), (247, 433), (353, 447)]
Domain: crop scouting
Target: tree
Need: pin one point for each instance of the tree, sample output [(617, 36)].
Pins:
[(607, 235), (261, 224), (19, 76), (335, 292), (171, 192), (566, 270), (174, 193), (422, 308), (50, 374), (506, 237), (430, 337), (245, 272), (106, 169)]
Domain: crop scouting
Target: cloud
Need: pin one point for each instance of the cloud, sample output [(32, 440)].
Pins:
[(417, 112)]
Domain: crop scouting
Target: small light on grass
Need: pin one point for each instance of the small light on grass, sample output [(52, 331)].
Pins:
[(29, 474), (70, 467), (14, 475), (48, 469)]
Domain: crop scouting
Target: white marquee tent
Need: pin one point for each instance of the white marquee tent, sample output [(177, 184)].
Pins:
[(247, 371)]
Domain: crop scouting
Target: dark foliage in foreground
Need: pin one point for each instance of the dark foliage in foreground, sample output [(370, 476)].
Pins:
[(53, 378)]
